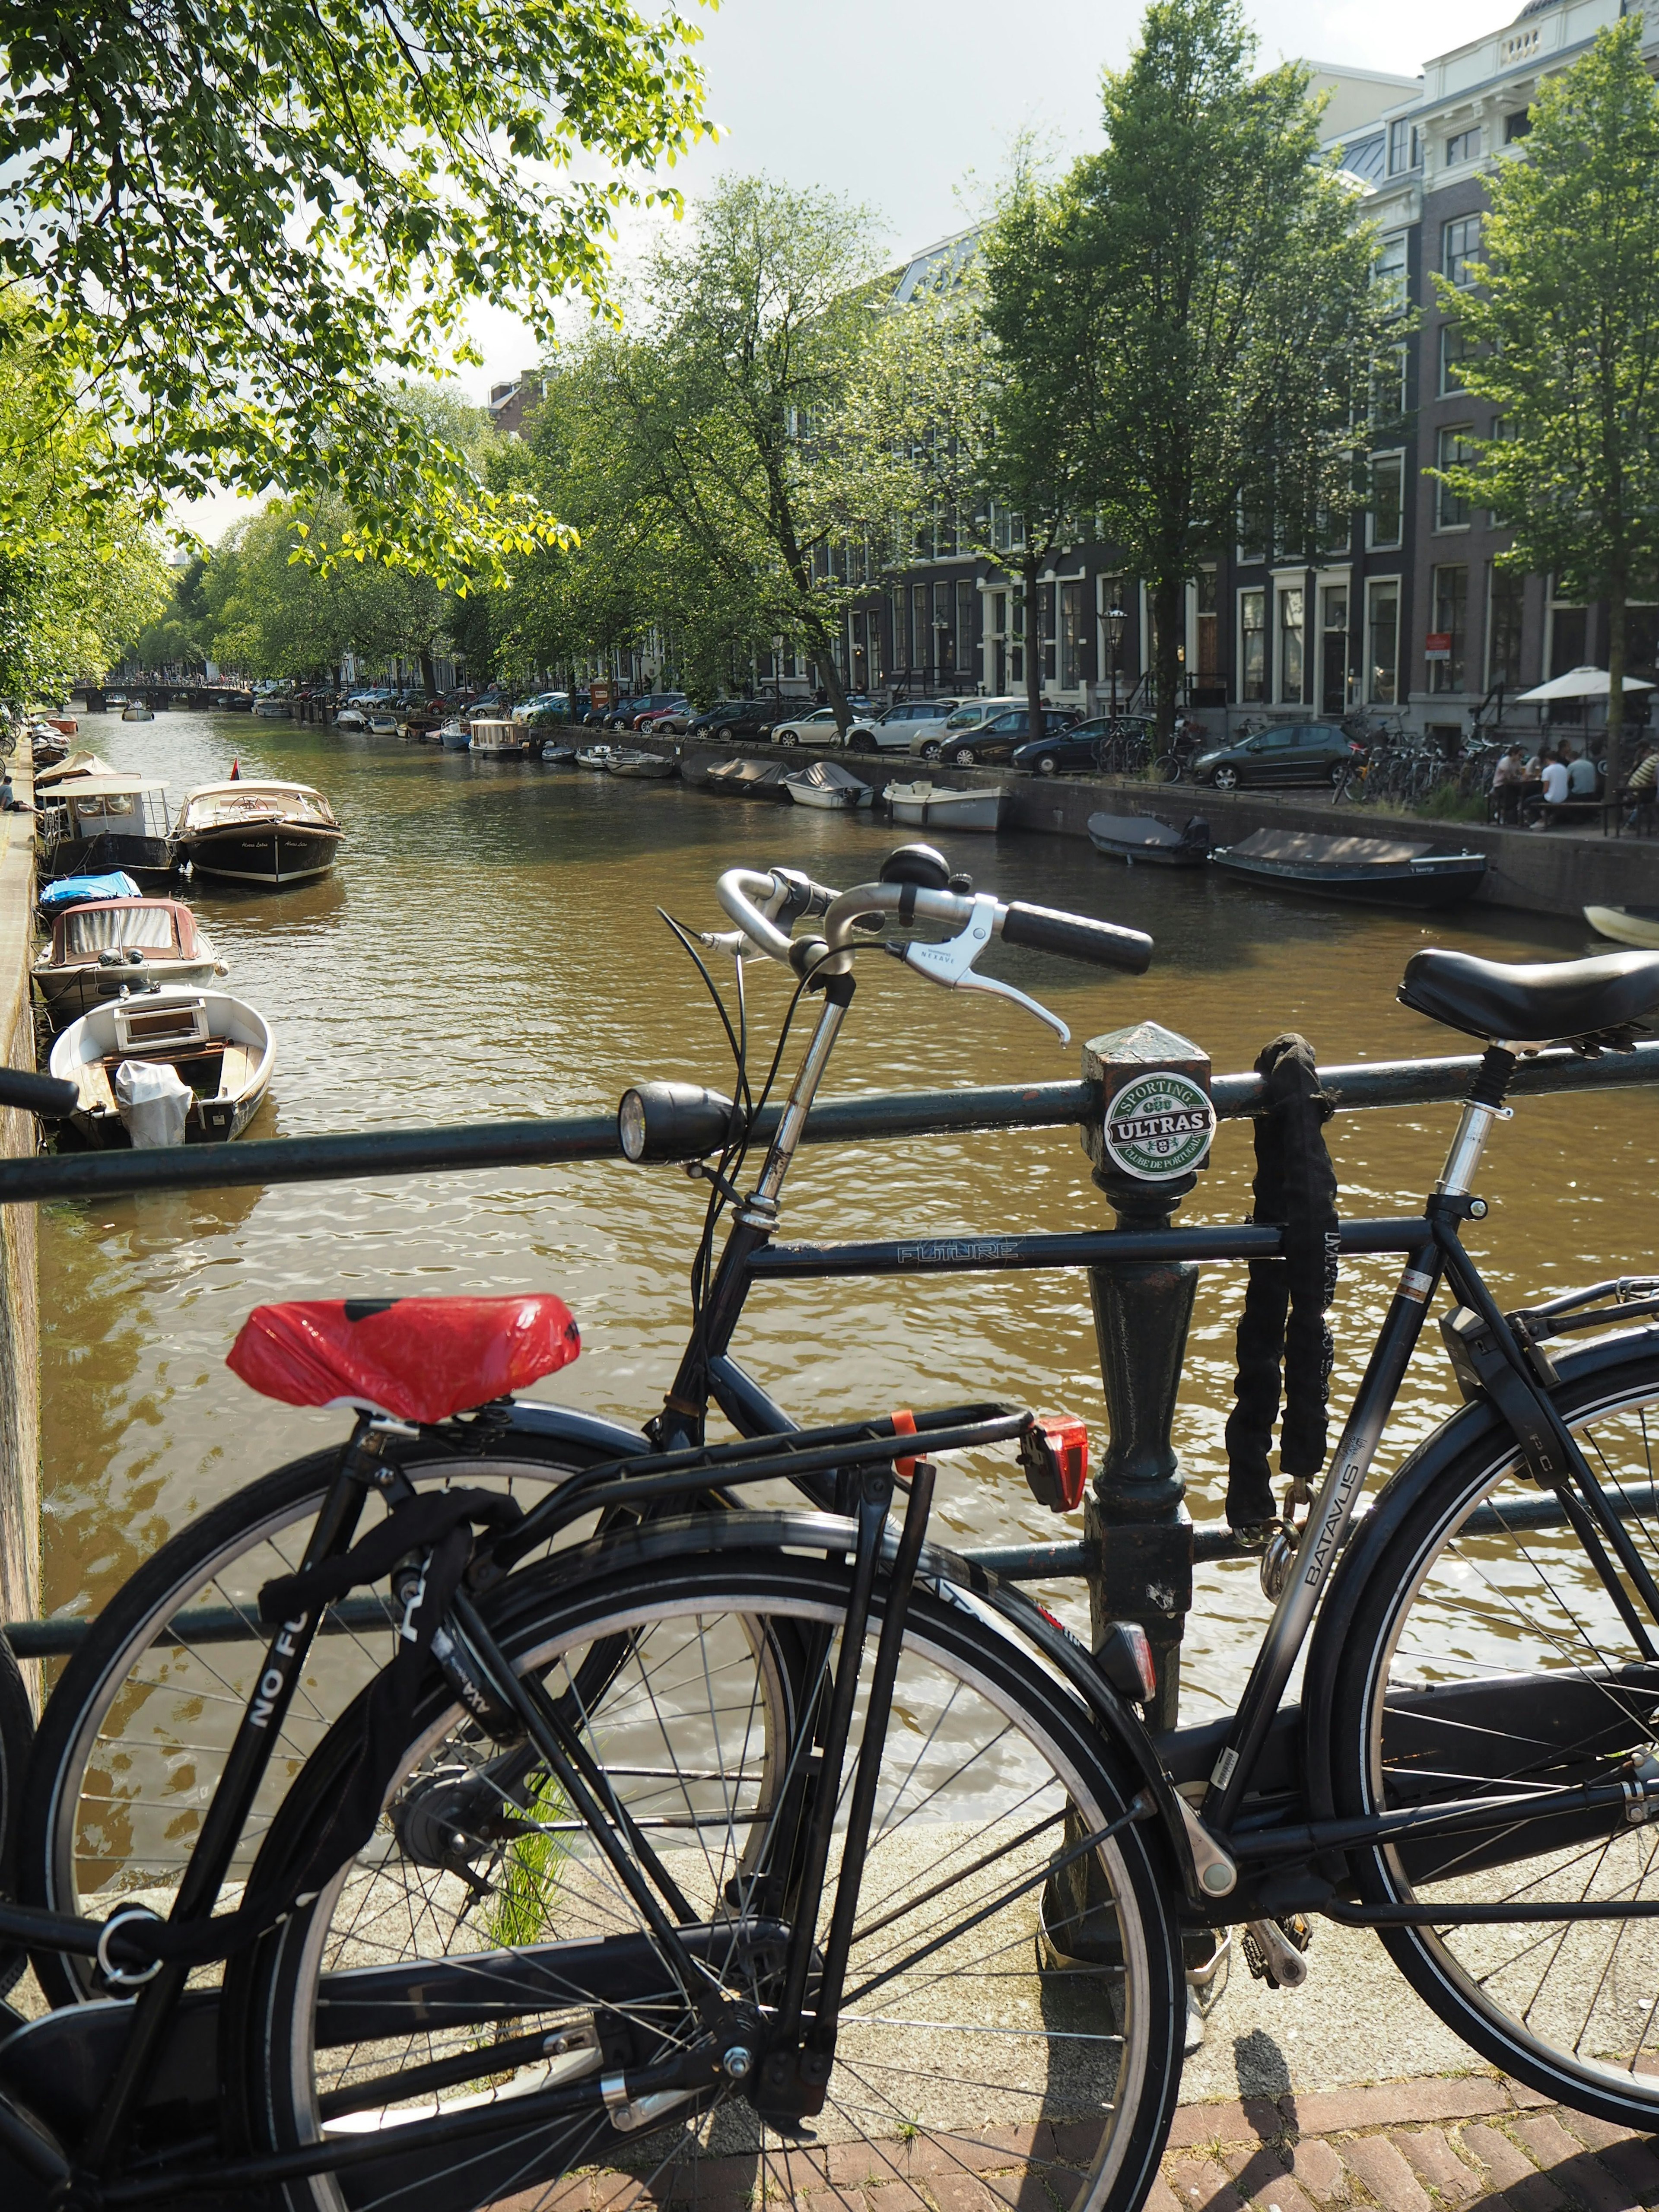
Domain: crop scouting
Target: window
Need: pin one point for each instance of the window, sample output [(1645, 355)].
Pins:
[(945, 639), (1453, 450), (1293, 630), (966, 627), (1505, 595), (1072, 619), (1464, 146), (1450, 600), (1389, 390), (1460, 244), (1253, 644), (1405, 147), (900, 632), (1387, 516), (921, 658), (1516, 125), (1454, 348), (1252, 531), (1046, 630), (1333, 649), (1383, 641), (1389, 270), (1208, 644), (1569, 638)]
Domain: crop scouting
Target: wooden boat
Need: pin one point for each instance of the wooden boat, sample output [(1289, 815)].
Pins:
[(258, 832), (96, 823), (741, 778), (1380, 871), (1625, 925), (218, 1048), (632, 760), (382, 726), (935, 806), (826, 783), (500, 740), (137, 711), (1148, 837), (109, 945)]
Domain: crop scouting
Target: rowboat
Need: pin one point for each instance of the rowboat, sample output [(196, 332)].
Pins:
[(1625, 925), (109, 945), (826, 783), (1148, 837), (936, 806), (558, 754), (165, 1067), (631, 760), (1375, 870), (96, 823), (137, 711), (258, 832), (598, 758)]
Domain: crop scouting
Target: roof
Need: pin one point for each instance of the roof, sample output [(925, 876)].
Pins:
[(250, 783), (105, 786)]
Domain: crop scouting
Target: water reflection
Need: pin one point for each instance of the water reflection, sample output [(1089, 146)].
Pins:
[(488, 947)]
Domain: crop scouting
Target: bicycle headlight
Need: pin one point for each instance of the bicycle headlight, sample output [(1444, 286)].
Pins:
[(672, 1122)]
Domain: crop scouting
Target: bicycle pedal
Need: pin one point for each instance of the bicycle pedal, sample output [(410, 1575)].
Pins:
[(1272, 1951)]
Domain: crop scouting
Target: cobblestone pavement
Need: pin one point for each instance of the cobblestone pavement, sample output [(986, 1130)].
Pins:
[(1473, 2144)]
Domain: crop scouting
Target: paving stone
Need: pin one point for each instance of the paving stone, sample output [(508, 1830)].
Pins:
[(1318, 2170), (1595, 2133), (1396, 2104), (1257, 2119), (1161, 2197), (1528, 2099), (1262, 2176), (1573, 2170), (1432, 2156), (1635, 2164), (1512, 2171), (1200, 2185), (1386, 2174)]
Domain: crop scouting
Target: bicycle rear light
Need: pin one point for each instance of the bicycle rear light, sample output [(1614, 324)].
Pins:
[(1125, 1658), (1054, 1454), (672, 1122)]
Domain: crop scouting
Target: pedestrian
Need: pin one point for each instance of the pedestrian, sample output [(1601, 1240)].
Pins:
[(1582, 778), (1506, 781)]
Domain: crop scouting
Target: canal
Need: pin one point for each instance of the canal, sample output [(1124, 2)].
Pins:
[(489, 947)]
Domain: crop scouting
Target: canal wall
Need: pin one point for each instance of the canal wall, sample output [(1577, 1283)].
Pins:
[(1554, 871), (20, 1307)]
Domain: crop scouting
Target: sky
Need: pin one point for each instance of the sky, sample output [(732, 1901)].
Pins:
[(911, 110)]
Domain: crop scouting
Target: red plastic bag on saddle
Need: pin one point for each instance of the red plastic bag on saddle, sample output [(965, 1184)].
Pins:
[(421, 1358)]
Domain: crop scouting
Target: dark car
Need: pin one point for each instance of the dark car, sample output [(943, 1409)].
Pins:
[(739, 718), (1072, 750), (1290, 752), (1001, 737)]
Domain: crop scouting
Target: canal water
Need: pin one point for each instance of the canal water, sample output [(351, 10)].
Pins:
[(489, 947)]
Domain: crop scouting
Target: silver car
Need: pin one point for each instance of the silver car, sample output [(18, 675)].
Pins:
[(972, 714), (897, 730)]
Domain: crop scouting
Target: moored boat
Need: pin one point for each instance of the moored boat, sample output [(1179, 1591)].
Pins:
[(633, 759), (106, 946), (598, 758), (351, 718), (137, 710), (557, 754), (79, 764), (1625, 925), (1149, 838), (455, 737), (826, 783), (165, 1067), (936, 806), (273, 709), (96, 823), (742, 778), (383, 725), (496, 739), (1374, 870), (258, 832)]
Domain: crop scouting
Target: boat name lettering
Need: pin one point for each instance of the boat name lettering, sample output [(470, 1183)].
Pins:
[(948, 1248), (1159, 1125)]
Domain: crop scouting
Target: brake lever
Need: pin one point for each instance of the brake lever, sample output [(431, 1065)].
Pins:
[(951, 965)]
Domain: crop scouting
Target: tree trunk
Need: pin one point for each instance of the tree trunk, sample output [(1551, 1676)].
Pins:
[(1166, 618), (1033, 649), (830, 676), (1616, 597), (428, 673)]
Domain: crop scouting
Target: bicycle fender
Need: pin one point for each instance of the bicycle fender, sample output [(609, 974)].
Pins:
[(1477, 1431), (531, 1417)]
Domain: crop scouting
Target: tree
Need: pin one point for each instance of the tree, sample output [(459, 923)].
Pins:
[(1563, 338), (1236, 334), (244, 224)]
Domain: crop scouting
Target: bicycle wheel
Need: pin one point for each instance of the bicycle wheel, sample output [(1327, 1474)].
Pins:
[(129, 1746), (1484, 1656), (973, 2061)]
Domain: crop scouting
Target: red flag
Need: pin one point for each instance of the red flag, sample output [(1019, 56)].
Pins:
[(235, 769)]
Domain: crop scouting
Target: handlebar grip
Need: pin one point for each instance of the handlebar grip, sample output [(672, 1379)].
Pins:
[(37, 1094), (1102, 944)]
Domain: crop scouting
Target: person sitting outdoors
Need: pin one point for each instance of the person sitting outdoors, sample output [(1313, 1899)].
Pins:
[(1643, 788), (1554, 792), (1582, 777), (1506, 781)]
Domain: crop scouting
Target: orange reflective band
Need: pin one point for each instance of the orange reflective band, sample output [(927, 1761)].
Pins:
[(904, 1425)]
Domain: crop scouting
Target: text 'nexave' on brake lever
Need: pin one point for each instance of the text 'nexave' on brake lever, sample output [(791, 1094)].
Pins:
[(953, 964)]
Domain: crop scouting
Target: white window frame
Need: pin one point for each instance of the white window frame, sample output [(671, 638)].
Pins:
[(1443, 491), (1373, 543), (1373, 584)]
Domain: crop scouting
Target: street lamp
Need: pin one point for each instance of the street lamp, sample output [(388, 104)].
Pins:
[(1114, 618)]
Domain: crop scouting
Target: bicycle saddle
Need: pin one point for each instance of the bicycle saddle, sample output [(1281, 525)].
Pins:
[(1547, 1002)]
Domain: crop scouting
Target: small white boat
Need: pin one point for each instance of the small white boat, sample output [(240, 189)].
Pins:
[(500, 740), (935, 806), (110, 945), (597, 757), (826, 783), (558, 755), (383, 725), (1625, 925), (655, 767), (455, 737), (165, 1067), (137, 711), (351, 718), (271, 709)]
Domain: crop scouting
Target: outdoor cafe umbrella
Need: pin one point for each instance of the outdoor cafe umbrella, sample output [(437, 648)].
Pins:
[(1577, 683)]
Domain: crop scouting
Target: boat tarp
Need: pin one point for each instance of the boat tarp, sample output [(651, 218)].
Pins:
[(1135, 829), (826, 775), (1293, 848), (744, 774), (147, 923), (76, 890)]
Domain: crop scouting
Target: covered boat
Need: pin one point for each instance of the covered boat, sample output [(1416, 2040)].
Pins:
[(165, 1067), (500, 740), (1625, 925), (558, 754), (258, 832), (351, 718), (826, 783), (633, 760), (936, 806), (455, 737), (96, 823), (76, 890), (79, 764), (741, 778), (1150, 838), (110, 945), (272, 708), (1382, 871)]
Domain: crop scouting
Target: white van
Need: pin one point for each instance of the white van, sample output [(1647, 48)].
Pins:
[(972, 714), (896, 731)]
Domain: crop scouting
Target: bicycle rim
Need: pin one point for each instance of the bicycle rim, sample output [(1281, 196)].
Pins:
[(133, 1740), (993, 2059), (1499, 1663)]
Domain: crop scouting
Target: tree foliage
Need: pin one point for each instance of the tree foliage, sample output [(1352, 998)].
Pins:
[(1563, 338), (243, 225)]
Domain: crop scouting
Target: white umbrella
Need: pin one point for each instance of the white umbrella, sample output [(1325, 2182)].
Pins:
[(1578, 683)]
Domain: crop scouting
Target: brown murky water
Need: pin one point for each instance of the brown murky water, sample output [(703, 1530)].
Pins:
[(488, 947)]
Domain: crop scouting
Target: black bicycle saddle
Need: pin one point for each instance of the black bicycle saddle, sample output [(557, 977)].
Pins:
[(1547, 1002)]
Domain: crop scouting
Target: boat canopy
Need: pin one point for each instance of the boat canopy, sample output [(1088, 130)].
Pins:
[(153, 925), (1137, 829), (101, 799), (245, 800), (1293, 848), (827, 775)]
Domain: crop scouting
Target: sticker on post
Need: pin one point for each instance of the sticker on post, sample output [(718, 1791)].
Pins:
[(1159, 1126)]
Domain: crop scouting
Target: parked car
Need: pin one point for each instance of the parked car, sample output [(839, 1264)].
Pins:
[(669, 721), (816, 726), (737, 718), (972, 714), (905, 719), (1071, 750), (631, 712), (1290, 752)]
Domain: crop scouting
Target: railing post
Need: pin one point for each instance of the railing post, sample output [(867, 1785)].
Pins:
[(1150, 1137)]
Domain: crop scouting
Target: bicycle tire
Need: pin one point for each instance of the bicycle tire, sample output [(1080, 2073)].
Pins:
[(221, 1556), (1168, 767), (1009, 2071), (1476, 1659), (17, 1740)]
